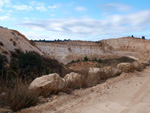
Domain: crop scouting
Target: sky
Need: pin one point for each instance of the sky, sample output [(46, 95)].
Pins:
[(90, 20)]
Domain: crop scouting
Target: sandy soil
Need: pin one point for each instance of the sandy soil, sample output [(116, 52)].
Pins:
[(128, 93)]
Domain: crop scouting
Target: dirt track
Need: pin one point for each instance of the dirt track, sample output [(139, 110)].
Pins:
[(128, 93)]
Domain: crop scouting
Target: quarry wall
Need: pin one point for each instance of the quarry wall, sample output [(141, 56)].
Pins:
[(66, 51)]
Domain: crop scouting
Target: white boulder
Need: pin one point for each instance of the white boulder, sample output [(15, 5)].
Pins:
[(47, 83), (73, 80)]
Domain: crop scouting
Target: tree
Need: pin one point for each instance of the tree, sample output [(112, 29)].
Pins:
[(85, 59), (143, 37)]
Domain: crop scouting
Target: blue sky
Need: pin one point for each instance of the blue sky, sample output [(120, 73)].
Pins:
[(76, 19)]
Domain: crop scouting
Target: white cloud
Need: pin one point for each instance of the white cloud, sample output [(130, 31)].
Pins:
[(4, 3), (115, 6), (80, 9), (110, 25), (39, 6), (23, 7), (54, 6), (2, 18)]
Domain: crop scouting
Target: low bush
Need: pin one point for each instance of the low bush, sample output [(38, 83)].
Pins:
[(1, 44), (18, 97)]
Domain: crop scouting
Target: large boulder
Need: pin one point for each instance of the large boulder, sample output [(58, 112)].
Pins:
[(126, 67), (48, 83), (140, 65), (108, 72), (73, 80), (93, 77)]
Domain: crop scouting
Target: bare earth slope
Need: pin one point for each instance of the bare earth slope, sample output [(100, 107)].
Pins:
[(11, 40), (128, 93)]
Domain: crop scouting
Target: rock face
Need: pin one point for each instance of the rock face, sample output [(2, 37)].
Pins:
[(73, 80), (67, 51), (47, 83), (10, 40)]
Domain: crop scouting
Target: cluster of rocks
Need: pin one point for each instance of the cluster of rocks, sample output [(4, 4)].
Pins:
[(54, 83)]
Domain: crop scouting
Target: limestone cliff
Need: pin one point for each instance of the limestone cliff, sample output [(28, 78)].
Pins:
[(66, 51)]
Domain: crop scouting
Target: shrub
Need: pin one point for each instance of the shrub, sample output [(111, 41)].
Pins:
[(2, 61), (19, 97), (14, 43), (1, 44), (5, 52), (85, 59)]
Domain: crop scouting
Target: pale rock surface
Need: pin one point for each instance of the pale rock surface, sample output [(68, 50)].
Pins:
[(66, 51), (73, 80), (94, 70), (126, 67), (109, 71), (93, 77), (47, 83)]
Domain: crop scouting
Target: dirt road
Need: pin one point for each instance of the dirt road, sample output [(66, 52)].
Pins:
[(128, 93)]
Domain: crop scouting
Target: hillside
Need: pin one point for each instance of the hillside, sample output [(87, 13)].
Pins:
[(10, 40), (66, 51)]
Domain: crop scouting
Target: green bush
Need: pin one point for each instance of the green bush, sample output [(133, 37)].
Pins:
[(1, 44), (85, 59)]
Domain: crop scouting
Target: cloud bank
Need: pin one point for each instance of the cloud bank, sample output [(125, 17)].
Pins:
[(109, 25)]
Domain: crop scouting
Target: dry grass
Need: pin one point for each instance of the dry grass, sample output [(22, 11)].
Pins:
[(17, 97)]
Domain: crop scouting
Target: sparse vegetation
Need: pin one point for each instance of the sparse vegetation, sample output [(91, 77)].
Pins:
[(5, 52), (14, 43), (106, 62), (18, 96), (1, 43), (16, 77), (86, 59)]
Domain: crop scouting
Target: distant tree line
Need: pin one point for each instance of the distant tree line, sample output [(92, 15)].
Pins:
[(56, 40), (143, 37)]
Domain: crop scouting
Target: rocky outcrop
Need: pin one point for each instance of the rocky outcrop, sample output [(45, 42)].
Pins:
[(47, 84), (73, 80)]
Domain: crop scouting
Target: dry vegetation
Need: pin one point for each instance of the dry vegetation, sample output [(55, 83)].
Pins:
[(16, 76), (24, 67)]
